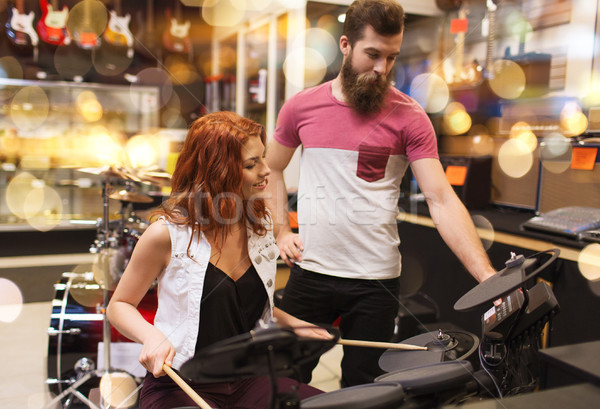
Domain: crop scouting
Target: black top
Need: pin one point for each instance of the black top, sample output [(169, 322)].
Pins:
[(229, 308)]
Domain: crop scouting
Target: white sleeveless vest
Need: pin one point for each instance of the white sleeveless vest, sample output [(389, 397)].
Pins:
[(180, 285)]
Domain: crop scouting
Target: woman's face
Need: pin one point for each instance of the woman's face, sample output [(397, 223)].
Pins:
[(254, 168)]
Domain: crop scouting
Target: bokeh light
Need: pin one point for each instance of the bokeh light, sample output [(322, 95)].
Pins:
[(515, 158), (108, 267), (17, 191), (485, 230), (304, 67), (483, 143), (322, 42), (112, 61), (224, 13), (589, 262), (72, 62), (87, 21), (29, 108), (456, 120), (11, 300), (156, 77), (522, 131), (555, 152), (89, 107), (118, 389), (142, 150), (104, 148), (259, 5), (43, 207), (10, 68), (572, 120), (84, 289), (430, 91), (508, 79)]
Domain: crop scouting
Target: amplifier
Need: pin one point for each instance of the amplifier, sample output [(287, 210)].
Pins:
[(470, 176), (573, 180), (522, 192)]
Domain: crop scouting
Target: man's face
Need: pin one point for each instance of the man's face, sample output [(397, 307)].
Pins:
[(366, 69)]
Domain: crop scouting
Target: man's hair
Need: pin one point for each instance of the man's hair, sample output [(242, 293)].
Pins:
[(386, 17)]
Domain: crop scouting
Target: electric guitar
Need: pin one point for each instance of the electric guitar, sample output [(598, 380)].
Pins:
[(461, 75), (118, 32), (80, 25), (52, 25), (177, 38), (19, 28)]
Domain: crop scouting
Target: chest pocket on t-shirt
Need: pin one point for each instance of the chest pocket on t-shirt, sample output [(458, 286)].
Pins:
[(372, 161)]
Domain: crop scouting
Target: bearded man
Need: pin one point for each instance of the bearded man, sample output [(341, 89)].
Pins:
[(359, 134)]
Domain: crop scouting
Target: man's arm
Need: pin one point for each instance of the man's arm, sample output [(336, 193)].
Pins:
[(451, 218), (290, 245)]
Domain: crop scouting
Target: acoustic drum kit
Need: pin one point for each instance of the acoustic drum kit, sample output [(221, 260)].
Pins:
[(80, 337), (430, 370)]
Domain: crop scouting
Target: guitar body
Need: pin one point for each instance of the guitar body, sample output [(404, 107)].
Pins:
[(52, 25), (19, 29), (461, 75), (87, 40), (117, 32), (177, 39)]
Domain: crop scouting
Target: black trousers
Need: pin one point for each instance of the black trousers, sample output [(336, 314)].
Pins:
[(366, 308)]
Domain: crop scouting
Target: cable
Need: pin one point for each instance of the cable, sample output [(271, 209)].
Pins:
[(492, 377)]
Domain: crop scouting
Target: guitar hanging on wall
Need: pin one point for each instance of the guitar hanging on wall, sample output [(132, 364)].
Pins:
[(459, 74), (52, 26), (19, 28), (81, 28), (118, 32), (176, 38)]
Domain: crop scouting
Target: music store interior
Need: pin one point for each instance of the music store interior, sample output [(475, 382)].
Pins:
[(95, 100)]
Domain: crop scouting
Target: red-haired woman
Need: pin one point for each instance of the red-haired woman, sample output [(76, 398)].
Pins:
[(213, 254)]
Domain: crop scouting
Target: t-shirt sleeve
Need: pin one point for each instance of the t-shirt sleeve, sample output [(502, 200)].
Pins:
[(285, 130), (421, 141)]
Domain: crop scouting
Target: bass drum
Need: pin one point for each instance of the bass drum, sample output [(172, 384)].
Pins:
[(75, 334)]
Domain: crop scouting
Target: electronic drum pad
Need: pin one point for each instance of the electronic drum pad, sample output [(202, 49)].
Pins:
[(441, 346), (264, 351), (518, 270)]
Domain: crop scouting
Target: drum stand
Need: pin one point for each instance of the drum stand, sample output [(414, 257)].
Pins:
[(86, 370)]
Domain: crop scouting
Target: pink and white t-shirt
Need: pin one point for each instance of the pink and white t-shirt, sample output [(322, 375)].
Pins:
[(350, 174)]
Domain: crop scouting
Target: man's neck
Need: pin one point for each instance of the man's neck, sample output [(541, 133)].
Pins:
[(336, 89)]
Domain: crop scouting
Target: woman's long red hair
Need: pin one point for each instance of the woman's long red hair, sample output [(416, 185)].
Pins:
[(207, 182)]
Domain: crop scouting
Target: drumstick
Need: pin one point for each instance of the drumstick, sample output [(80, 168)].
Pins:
[(386, 345), (186, 388)]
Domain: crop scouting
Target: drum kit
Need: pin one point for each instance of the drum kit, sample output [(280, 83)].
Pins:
[(425, 371), (79, 333)]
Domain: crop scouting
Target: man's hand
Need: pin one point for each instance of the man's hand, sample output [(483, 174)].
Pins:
[(290, 247), (312, 331)]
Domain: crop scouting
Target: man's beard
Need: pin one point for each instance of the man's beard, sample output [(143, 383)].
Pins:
[(364, 92)]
